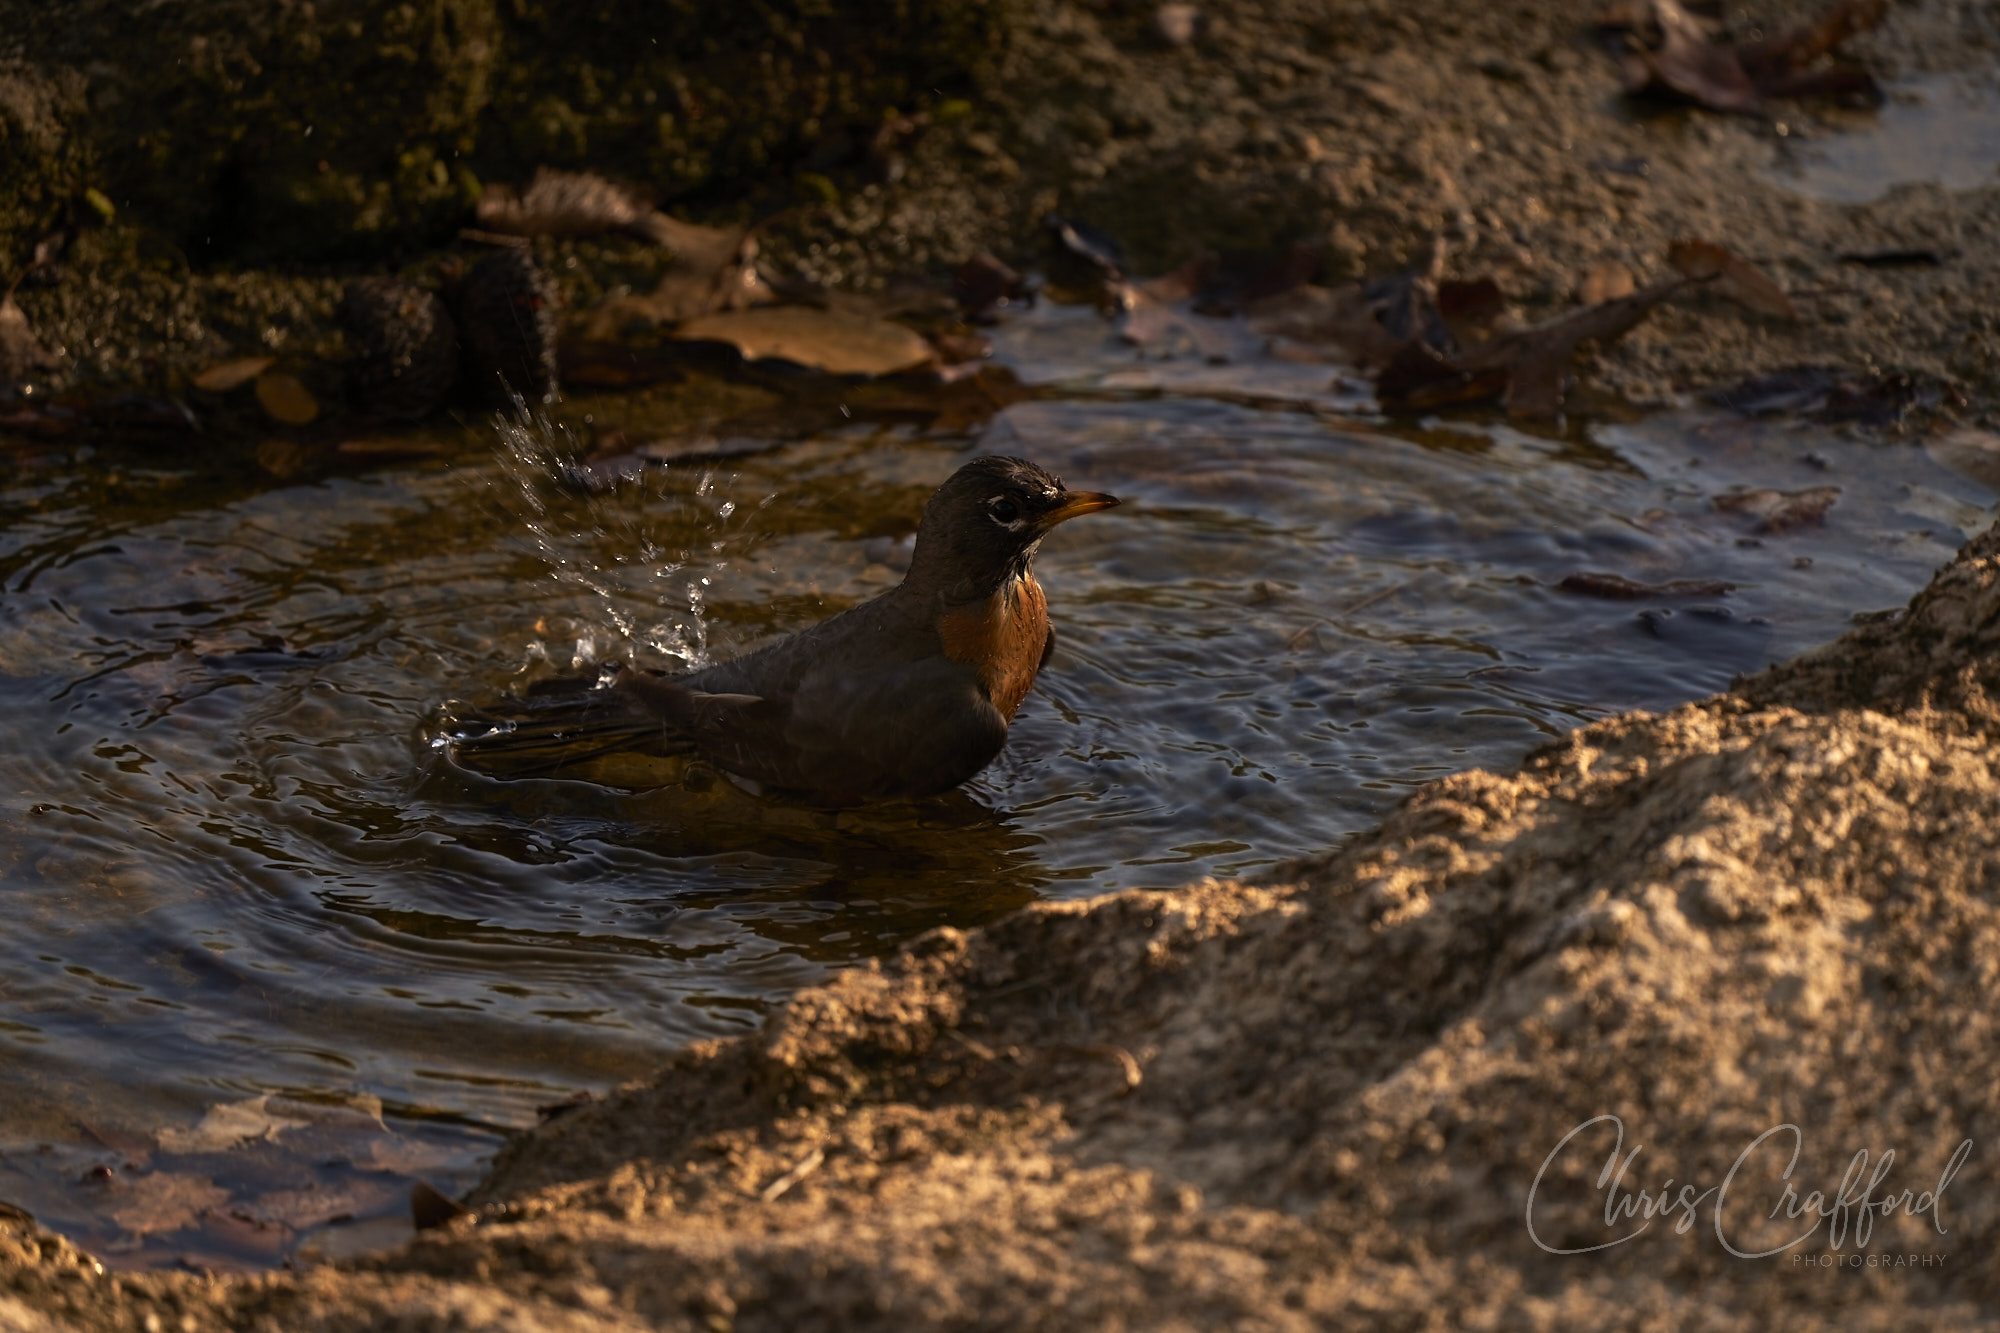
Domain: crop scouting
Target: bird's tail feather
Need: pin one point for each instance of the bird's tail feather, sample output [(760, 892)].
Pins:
[(557, 724)]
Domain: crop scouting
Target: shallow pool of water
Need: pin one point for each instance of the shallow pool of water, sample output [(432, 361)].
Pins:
[(1943, 130), (237, 869)]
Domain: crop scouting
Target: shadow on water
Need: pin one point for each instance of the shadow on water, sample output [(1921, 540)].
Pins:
[(268, 957)]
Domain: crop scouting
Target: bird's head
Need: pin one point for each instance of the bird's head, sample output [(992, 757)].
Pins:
[(983, 525)]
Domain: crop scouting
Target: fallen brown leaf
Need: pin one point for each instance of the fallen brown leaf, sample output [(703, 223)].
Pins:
[(1373, 322), (286, 399), (1733, 276), (983, 284), (1473, 309), (1779, 64), (1663, 48), (835, 342), (391, 448), (1524, 368), (703, 282), (1606, 281), (229, 376), (1342, 318), (1157, 321), (286, 459), (39, 423)]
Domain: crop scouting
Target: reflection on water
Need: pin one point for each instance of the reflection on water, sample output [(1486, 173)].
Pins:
[(238, 869)]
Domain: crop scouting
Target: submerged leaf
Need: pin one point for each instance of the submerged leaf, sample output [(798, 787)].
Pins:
[(285, 398), (1839, 394), (231, 1123), (1157, 320), (1340, 317), (1378, 321), (1781, 511), (229, 376), (315, 1205), (1616, 587), (1525, 368), (163, 1201), (836, 342)]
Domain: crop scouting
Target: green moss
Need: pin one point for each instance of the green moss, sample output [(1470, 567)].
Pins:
[(251, 133), (819, 186)]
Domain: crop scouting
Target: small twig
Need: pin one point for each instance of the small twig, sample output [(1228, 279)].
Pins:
[(1381, 594), (808, 1164), (480, 236), (1127, 1062)]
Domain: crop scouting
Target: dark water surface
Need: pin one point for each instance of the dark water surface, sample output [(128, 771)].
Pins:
[(236, 874)]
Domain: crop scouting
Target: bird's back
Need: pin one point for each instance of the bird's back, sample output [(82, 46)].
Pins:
[(861, 706)]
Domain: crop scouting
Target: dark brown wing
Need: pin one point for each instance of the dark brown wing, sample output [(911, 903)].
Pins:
[(556, 725), (743, 733), (904, 729), (917, 729)]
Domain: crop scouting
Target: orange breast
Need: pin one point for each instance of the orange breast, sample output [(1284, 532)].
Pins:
[(1002, 637)]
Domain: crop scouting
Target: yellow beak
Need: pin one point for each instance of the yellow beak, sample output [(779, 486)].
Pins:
[(1075, 503)]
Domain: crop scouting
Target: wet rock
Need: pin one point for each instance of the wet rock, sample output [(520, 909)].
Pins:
[(21, 354), (405, 347), (506, 310), (1177, 24)]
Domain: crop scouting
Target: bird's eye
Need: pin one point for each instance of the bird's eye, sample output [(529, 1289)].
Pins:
[(1005, 510)]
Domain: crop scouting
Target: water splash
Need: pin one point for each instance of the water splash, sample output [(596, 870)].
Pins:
[(610, 539)]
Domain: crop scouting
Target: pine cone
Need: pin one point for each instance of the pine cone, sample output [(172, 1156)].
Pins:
[(506, 310), (406, 349)]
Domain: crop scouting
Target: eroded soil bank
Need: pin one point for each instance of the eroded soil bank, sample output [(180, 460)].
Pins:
[(255, 158)]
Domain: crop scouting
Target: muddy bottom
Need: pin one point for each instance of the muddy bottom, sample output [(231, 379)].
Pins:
[(268, 957)]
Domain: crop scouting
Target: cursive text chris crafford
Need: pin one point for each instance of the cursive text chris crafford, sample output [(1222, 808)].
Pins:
[(1851, 1209)]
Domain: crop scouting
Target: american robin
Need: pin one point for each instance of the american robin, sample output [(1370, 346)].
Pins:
[(909, 694)]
